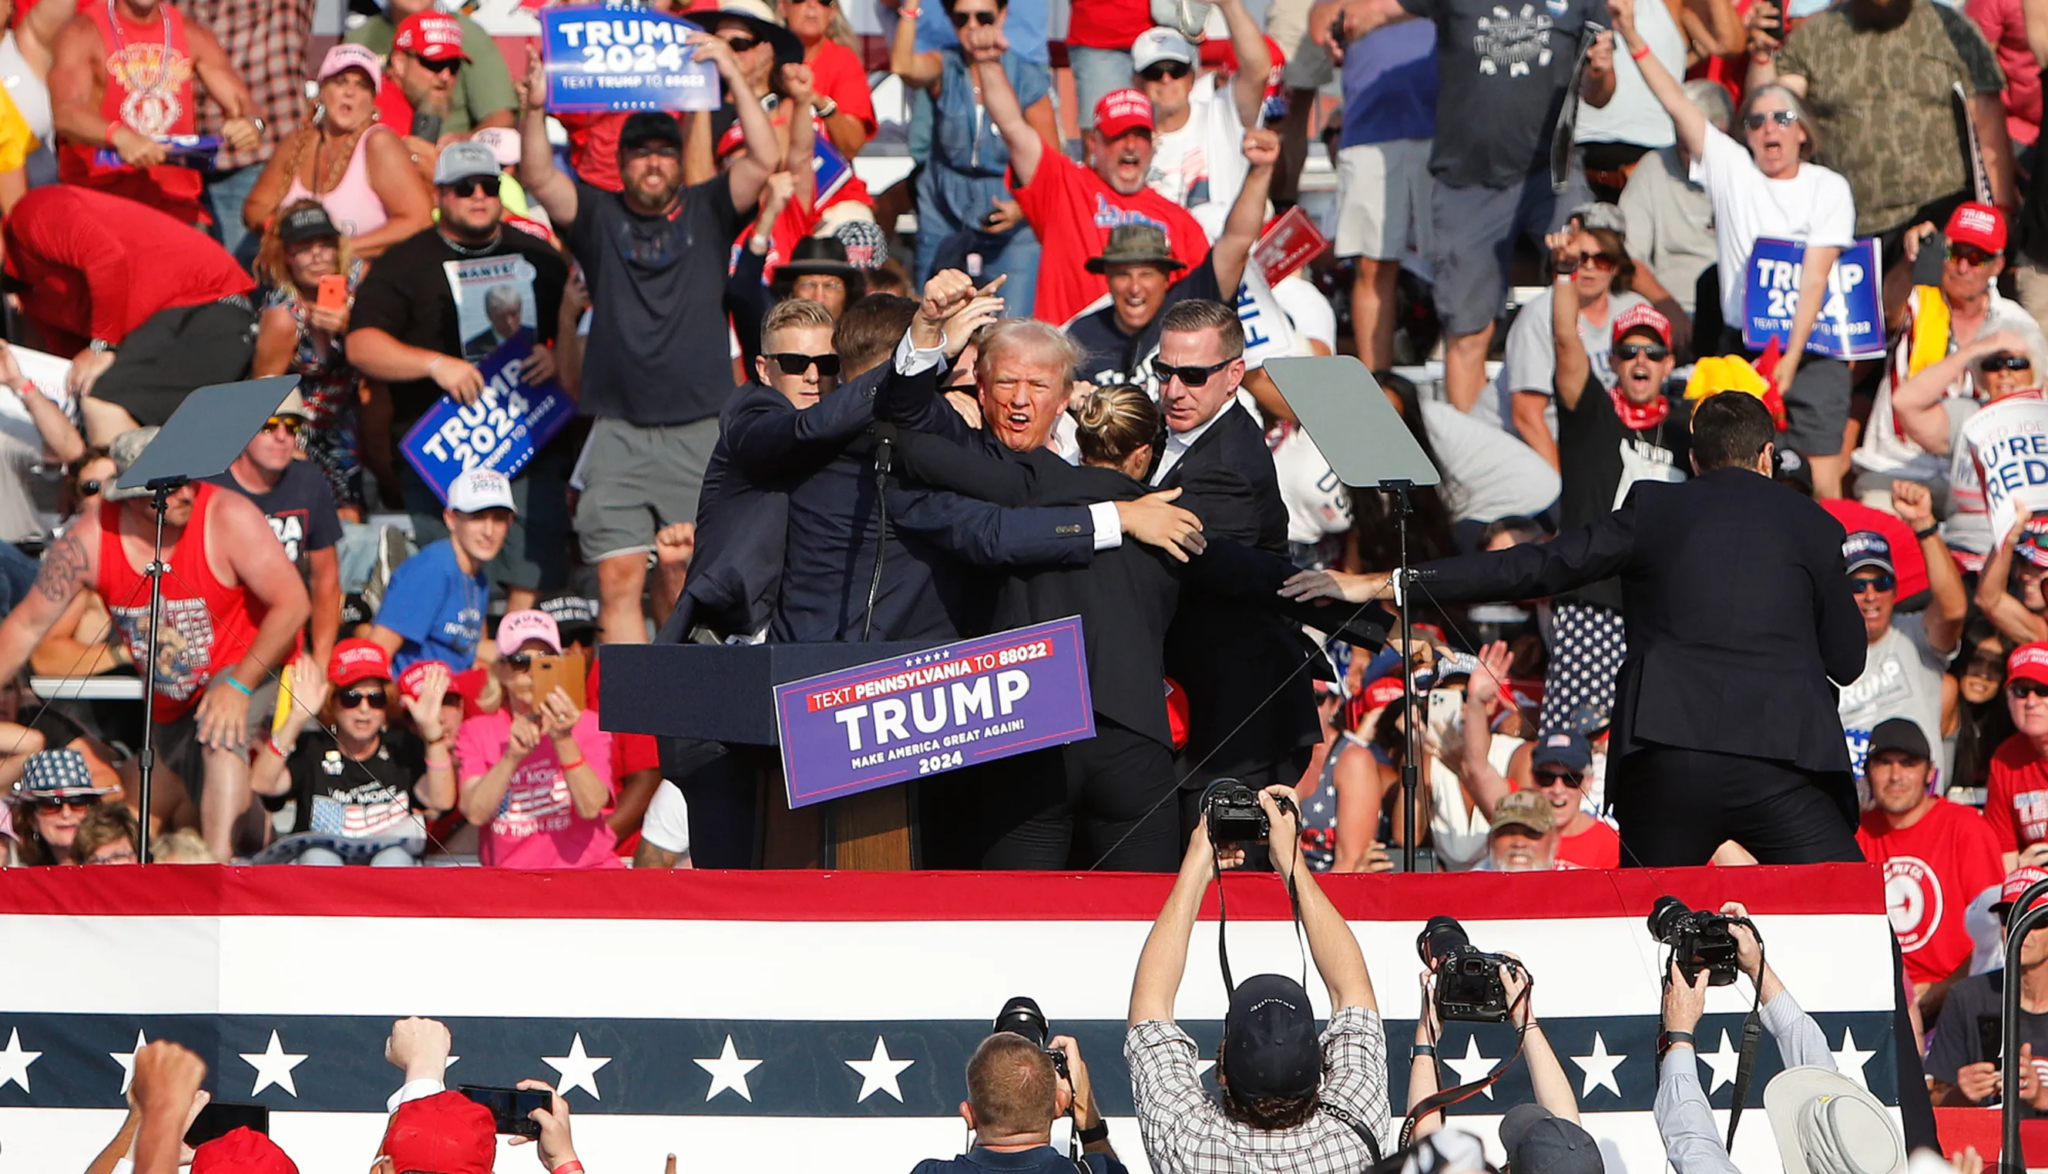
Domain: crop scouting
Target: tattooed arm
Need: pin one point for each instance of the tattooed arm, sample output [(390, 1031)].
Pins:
[(69, 566)]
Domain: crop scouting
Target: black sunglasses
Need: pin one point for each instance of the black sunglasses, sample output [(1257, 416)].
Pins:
[(351, 698), (983, 18), (1858, 584), (449, 66), (2027, 689), (1570, 778), (1188, 376), (2006, 363), (742, 43), (1781, 117), (519, 660), (470, 186), (1655, 352), (88, 488), (1161, 70), (793, 363), (74, 802)]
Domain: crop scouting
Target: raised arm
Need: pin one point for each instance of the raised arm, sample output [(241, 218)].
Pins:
[(1995, 600), (1573, 366), (1552, 1087), (1476, 772), (1914, 505), (537, 172), (984, 45), (1686, 118), (919, 71), (1330, 941), (267, 773), (764, 147), (1254, 60), (1916, 404), (1165, 957), (1233, 247)]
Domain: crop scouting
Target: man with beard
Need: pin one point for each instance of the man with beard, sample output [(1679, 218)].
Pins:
[(654, 254), (1073, 208), (1876, 77)]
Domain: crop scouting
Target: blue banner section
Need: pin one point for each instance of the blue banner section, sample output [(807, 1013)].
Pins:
[(623, 57), (966, 702), (198, 151), (1851, 321), (502, 430)]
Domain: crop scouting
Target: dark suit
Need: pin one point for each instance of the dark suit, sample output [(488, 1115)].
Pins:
[(1740, 620), (1240, 664)]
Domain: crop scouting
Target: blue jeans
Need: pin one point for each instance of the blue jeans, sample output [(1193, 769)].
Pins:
[(226, 191), (1014, 253), (1096, 72)]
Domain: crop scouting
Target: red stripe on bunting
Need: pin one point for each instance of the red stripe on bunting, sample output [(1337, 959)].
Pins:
[(170, 890)]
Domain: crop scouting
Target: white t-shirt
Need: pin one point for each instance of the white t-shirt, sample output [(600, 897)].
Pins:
[(667, 823), (1633, 114), (1530, 361), (1814, 207), (1310, 312), (1318, 504), (1488, 474), (1203, 161)]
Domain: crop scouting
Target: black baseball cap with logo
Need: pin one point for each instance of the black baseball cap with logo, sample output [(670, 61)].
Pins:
[(650, 126), (306, 223), (1270, 1047)]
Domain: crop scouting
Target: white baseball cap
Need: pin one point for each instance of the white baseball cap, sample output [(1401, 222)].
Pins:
[(475, 490), (1160, 44)]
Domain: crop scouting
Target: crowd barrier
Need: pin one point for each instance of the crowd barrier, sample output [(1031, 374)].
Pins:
[(804, 1021)]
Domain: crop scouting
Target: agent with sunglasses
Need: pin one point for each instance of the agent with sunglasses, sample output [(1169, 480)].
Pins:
[(51, 799), (1907, 654), (356, 781)]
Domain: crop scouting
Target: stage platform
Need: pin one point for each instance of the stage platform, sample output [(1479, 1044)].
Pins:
[(818, 1021)]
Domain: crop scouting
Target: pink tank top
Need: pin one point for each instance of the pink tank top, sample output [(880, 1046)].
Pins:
[(353, 205)]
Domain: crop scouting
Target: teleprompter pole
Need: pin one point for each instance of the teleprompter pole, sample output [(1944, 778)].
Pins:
[(160, 491), (1410, 775)]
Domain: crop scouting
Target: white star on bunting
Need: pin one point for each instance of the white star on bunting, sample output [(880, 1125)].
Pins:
[(1599, 1068), (14, 1062), (878, 1073), (274, 1066), (1472, 1066), (1722, 1062), (728, 1071), (577, 1069), (1849, 1061), (127, 1062)]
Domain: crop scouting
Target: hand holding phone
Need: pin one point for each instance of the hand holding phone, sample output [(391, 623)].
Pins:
[(333, 292), (220, 1118), (511, 1108)]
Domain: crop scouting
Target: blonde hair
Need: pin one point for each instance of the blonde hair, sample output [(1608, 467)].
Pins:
[(1029, 336), (794, 314), (1113, 422), (271, 263), (181, 847)]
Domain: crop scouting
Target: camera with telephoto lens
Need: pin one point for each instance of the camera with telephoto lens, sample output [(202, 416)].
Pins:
[(1234, 815), (1699, 940), (1468, 984), (1021, 1016)]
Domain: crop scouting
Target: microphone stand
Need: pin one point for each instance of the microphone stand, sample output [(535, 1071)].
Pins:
[(1410, 773), (160, 490)]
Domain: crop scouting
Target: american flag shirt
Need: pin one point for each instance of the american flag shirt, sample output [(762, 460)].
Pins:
[(369, 798)]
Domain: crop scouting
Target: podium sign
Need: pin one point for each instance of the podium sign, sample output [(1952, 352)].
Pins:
[(890, 721)]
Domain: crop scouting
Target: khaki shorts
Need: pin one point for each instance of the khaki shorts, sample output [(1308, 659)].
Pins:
[(1308, 67), (1383, 200)]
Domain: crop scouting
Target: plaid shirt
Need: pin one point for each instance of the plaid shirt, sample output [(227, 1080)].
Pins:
[(1185, 1131), (266, 44)]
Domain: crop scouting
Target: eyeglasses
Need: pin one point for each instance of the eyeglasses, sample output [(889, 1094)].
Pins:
[(1757, 120), (1650, 350), (793, 363), (449, 66), (127, 857), (2006, 363), (1966, 255), (1552, 778), (983, 18), (1160, 71), (1860, 584), (1188, 376), (290, 424), (351, 698), (58, 802), (473, 185), (742, 43), (2026, 689)]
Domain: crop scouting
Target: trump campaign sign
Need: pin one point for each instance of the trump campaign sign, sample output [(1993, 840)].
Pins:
[(2008, 439), (971, 701), (1851, 321), (507, 424), (623, 57)]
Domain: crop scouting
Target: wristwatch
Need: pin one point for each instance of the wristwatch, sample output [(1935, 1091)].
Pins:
[(830, 108), (1094, 1133), (100, 346), (1666, 1040), (1929, 532)]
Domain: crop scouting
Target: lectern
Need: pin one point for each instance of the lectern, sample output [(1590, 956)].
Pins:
[(726, 693)]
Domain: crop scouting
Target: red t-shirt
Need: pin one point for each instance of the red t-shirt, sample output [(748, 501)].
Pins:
[(1599, 846), (1108, 24), (631, 753), (2016, 805), (1932, 871), (96, 265), (837, 74), (393, 110), (1072, 211)]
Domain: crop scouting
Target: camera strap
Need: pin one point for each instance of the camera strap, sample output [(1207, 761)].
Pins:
[(885, 442), (1223, 922), (1372, 1144), (1451, 1096), (1752, 1035)]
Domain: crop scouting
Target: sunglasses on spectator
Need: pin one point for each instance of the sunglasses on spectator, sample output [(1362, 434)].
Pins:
[(351, 698), (448, 66), (1859, 584), (793, 363), (1655, 352), (1985, 664), (742, 43), (983, 18), (1600, 261), (1188, 376), (473, 185), (290, 424), (1757, 120), (1162, 70), (2027, 689), (1552, 778), (58, 802), (2006, 363), (1966, 255), (520, 660)]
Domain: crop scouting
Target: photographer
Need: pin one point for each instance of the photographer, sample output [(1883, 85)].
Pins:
[(1685, 1122), (1290, 1100), (1014, 1094), (1544, 1136)]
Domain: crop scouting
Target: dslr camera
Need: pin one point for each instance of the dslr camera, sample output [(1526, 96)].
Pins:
[(1234, 815), (1699, 940), (1468, 985), (1021, 1016)]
